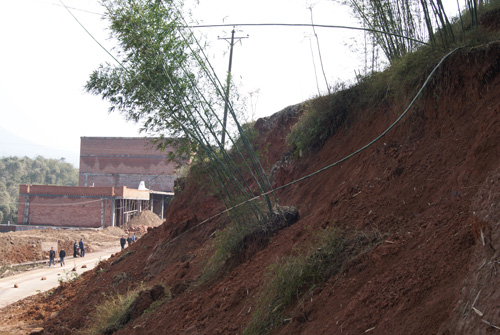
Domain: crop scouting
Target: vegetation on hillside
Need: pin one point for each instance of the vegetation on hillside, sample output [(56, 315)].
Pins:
[(399, 82), (289, 279), (41, 171), (113, 312), (297, 271)]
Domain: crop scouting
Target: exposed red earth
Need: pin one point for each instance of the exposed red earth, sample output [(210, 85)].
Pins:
[(428, 190)]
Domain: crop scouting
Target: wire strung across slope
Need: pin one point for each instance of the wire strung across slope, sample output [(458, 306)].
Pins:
[(320, 170), (330, 165)]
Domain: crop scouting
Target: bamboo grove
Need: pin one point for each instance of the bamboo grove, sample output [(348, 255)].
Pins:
[(396, 26), (164, 80)]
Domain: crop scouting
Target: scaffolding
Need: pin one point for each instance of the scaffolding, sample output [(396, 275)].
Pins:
[(126, 209)]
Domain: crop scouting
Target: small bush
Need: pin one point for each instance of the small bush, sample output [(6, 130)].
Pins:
[(112, 314), (230, 242), (289, 277), (318, 122), (244, 228), (69, 276), (117, 310), (324, 115)]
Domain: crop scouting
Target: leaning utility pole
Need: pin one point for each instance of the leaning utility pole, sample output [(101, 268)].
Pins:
[(228, 81)]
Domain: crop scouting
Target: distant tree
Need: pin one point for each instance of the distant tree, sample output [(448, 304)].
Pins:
[(15, 171)]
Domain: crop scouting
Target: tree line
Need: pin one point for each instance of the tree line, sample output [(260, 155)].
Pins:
[(15, 171)]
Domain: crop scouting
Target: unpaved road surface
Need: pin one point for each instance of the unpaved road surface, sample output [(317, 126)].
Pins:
[(30, 282)]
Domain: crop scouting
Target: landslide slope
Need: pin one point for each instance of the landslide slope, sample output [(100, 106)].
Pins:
[(426, 195)]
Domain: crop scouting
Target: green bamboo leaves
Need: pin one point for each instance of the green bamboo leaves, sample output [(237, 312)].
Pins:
[(164, 81), (396, 25)]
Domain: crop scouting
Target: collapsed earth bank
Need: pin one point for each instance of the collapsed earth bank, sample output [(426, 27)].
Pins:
[(425, 195)]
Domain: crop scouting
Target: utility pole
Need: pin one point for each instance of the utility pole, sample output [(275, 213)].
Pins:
[(228, 82)]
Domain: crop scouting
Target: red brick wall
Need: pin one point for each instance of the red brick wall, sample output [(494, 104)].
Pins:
[(65, 206), (65, 212), (67, 190), (125, 161)]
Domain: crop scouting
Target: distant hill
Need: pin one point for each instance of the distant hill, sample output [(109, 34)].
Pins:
[(13, 145)]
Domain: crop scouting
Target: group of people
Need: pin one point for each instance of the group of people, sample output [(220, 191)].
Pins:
[(128, 240), (52, 256), (78, 250)]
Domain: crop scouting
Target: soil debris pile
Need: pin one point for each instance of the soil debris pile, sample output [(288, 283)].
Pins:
[(139, 224)]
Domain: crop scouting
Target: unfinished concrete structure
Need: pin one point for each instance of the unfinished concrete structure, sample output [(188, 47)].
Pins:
[(111, 170)]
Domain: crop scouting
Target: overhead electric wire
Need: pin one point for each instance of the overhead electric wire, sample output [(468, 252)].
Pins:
[(322, 169), (302, 25), (330, 165), (78, 9)]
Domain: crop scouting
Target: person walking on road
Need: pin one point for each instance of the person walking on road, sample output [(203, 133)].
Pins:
[(82, 248), (122, 242), (62, 254), (52, 256), (75, 250)]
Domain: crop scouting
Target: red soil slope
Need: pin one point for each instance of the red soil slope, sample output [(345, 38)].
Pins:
[(429, 189)]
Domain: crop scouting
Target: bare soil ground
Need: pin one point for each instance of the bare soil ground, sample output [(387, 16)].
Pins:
[(429, 189), (26, 246)]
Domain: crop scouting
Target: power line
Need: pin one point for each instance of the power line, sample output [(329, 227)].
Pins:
[(301, 25), (74, 8), (268, 24), (330, 165), (320, 170)]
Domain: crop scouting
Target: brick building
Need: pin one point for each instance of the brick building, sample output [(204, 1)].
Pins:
[(118, 178), (125, 161)]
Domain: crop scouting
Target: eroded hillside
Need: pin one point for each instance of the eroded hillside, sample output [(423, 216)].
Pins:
[(423, 200)]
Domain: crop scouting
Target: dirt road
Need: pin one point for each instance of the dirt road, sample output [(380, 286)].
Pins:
[(31, 282)]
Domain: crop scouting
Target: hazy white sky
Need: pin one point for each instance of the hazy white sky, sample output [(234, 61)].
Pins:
[(47, 58)]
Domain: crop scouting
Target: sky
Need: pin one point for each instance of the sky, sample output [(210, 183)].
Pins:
[(47, 58)]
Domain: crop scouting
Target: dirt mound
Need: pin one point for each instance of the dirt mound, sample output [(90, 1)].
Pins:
[(145, 218), (26, 246), (139, 224), (114, 231)]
